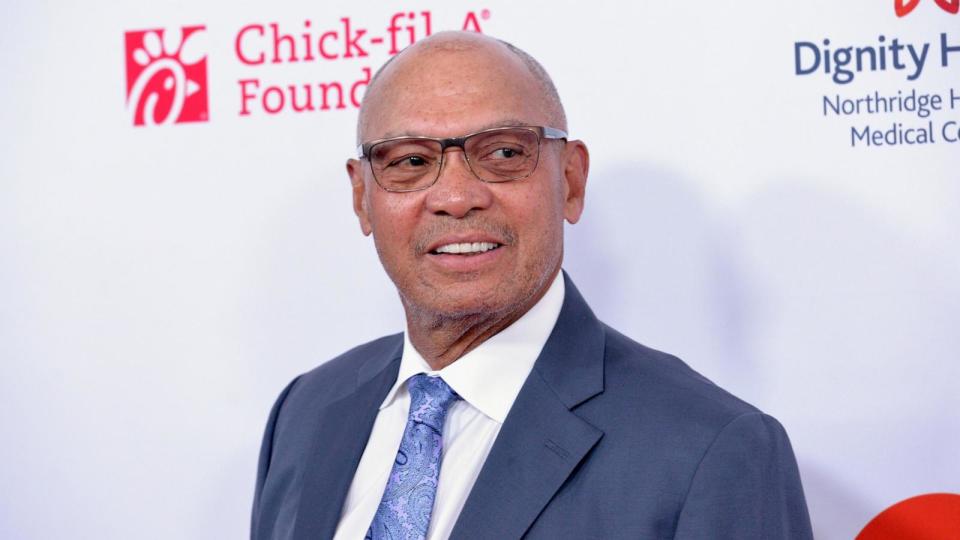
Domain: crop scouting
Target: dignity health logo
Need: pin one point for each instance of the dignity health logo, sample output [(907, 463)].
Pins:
[(904, 7), (911, 115), (166, 76), (843, 62)]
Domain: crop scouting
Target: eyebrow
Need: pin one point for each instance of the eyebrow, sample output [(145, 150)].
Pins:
[(507, 122)]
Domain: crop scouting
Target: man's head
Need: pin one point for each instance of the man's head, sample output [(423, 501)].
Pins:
[(450, 85)]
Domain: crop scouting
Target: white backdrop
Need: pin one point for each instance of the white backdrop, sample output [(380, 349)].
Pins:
[(160, 284)]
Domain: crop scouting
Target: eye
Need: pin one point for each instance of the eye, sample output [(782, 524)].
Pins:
[(504, 153), (409, 162)]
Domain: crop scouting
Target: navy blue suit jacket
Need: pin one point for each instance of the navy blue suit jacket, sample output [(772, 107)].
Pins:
[(607, 439)]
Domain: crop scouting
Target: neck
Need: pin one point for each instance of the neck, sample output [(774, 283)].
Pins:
[(442, 339)]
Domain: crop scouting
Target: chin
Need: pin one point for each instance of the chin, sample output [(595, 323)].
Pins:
[(463, 308), (447, 305)]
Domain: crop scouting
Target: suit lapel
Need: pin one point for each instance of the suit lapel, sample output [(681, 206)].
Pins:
[(342, 432), (542, 440), (539, 445)]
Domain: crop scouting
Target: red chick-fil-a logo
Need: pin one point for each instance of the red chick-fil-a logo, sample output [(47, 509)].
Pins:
[(166, 76), (904, 7)]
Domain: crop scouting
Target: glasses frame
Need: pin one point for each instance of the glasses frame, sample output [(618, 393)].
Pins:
[(542, 133)]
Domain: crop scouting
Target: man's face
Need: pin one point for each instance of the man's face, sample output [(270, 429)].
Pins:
[(443, 93)]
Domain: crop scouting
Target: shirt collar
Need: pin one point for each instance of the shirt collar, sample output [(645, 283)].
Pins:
[(490, 376)]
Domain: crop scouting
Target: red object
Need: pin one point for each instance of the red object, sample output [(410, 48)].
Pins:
[(935, 516), (904, 7), (166, 83)]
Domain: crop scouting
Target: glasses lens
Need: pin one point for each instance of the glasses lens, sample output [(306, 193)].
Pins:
[(503, 154), (405, 164)]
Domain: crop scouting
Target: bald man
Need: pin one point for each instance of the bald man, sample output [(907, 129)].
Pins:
[(506, 409)]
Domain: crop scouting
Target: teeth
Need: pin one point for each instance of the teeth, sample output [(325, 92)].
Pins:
[(467, 247)]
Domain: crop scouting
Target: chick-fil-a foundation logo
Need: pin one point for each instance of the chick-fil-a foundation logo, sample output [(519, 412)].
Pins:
[(904, 7), (166, 76), (167, 67)]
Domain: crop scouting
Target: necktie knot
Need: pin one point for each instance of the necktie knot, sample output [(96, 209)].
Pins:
[(430, 399)]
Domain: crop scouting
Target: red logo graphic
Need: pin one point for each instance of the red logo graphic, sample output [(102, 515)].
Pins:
[(166, 76), (934, 516), (904, 7)]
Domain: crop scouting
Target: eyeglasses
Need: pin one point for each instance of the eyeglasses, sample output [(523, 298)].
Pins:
[(402, 164)]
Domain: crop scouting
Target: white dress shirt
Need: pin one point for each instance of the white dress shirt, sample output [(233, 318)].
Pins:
[(488, 379)]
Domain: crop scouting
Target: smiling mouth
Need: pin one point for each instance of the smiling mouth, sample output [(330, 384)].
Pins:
[(465, 248)]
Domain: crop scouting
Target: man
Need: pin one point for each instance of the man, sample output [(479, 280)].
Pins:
[(506, 409)]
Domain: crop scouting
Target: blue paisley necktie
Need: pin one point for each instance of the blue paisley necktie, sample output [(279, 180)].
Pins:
[(404, 511)]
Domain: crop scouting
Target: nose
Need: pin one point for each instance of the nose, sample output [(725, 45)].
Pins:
[(457, 191)]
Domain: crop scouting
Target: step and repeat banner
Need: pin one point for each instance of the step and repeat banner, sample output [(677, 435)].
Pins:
[(774, 197)]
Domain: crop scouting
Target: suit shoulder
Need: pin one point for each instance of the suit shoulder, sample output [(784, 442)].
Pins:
[(661, 380), (340, 373)]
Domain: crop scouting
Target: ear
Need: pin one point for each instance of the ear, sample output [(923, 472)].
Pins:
[(576, 164), (355, 170)]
